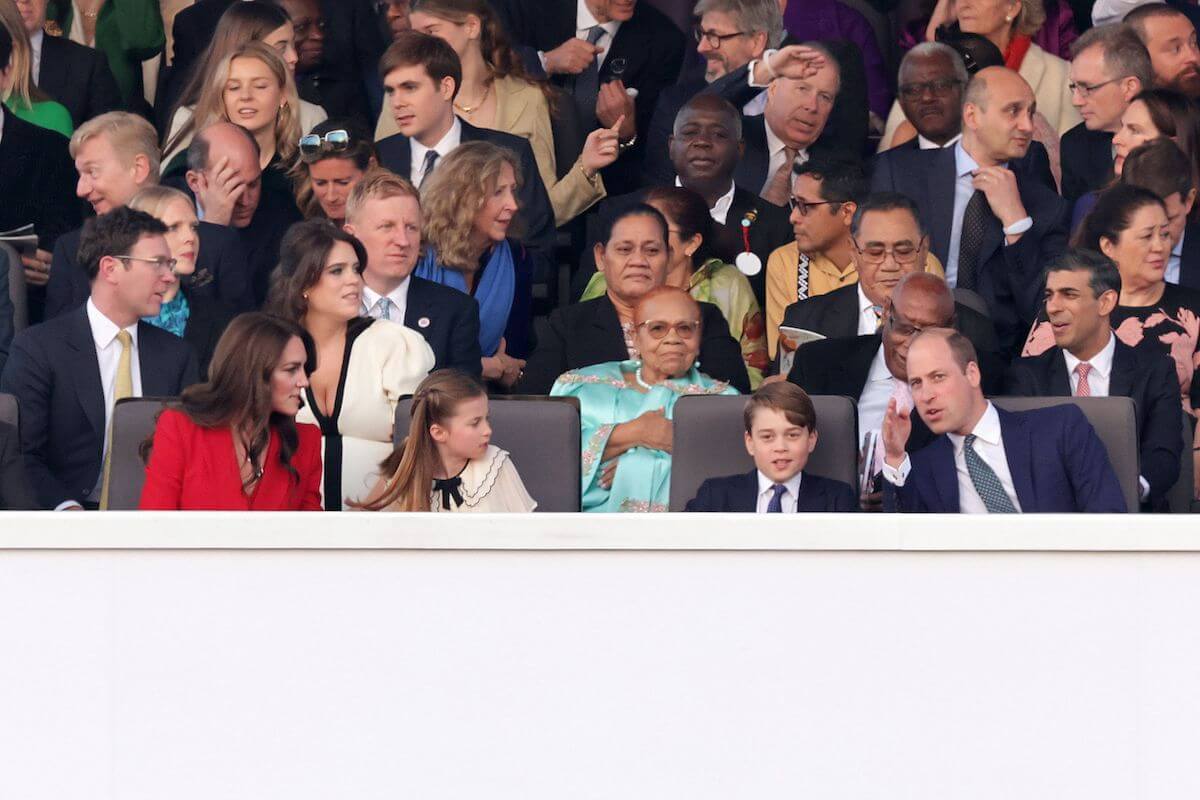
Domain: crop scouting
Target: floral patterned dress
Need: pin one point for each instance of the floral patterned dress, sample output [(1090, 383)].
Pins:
[(642, 481)]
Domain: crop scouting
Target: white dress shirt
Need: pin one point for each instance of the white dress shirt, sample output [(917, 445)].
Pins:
[(787, 501), (877, 391), (108, 355), (1098, 376), (35, 43), (451, 140), (720, 211), (584, 22), (775, 146), (1174, 260), (989, 445), (868, 320), (964, 187), (925, 144), (398, 296)]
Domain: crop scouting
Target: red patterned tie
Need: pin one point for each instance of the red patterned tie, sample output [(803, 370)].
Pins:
[(1082, 389)]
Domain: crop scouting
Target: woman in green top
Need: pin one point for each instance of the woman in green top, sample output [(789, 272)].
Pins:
[(20, 96), (690, 228), (128, 32)]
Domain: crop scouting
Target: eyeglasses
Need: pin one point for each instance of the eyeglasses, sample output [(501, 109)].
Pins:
[(686, 329), (334, 142), (803, 206), (715, 39), (903, 253), (939, 88), (903, 328), (160, 264), (1085, 90)]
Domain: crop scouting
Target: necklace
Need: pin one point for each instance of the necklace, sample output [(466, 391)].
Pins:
[(472, 109), (637, 376)]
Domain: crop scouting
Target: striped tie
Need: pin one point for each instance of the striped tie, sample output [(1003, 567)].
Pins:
[(1082, 388)]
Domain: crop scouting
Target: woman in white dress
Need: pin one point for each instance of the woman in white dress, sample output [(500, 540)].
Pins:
[(364, 365)]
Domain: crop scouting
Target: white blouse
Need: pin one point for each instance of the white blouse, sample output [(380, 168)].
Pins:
[(489, 485)]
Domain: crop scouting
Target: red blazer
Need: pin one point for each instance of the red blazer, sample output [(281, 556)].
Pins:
[(194, 469)]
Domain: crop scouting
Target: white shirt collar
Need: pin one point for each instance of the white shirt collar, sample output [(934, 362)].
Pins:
[(584, 20), (879, 369), (104, 330), (926, 144), (1177, 250), (719, 212), (445, 145), (1101, 363), (774, 143), (864, 302), (398, 296), (793, 484), (987, 429), (963, 163)]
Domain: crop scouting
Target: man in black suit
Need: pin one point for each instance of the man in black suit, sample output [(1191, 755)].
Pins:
[(93, 356), (704, 150), (632, 254), (338, 43), (384, 213), (1082, 289), (1109, 66), (731, 34), (1159, 166), (7, 327), (991, 227), (421, 75), (595, 50), (888, 242), (116, 155), (225, 179), (15, 493), (74, 75)]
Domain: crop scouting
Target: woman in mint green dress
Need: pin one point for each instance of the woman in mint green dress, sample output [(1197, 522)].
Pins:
[(626, 406)]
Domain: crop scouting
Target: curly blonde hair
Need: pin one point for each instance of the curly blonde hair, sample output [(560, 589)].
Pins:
[(210, 107), (455, 192)]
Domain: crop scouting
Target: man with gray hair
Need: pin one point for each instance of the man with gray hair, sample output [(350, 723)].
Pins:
[(931, 82), (1109, 66)]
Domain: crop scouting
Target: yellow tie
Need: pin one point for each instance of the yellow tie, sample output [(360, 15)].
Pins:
[(121, 389)]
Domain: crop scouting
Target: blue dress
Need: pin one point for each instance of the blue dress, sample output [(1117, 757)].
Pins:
[(643, 478)]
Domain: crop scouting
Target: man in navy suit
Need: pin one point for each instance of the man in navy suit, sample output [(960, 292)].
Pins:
[(68, 373), (1082, 288), (781, 433), (421, 77), (985, 460), (384, 213)]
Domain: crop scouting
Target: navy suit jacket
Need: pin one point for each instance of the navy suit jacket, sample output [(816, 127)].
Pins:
[(534, 223), (1149, 381), (1189, 258), (1058, 465), (1009, 275), (54, 373), (1087, 164), (740, 493), (449, 321), (1035, 163), (221, 272)]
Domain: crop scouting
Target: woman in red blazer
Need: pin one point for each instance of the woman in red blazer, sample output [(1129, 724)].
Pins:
[(232, 444)]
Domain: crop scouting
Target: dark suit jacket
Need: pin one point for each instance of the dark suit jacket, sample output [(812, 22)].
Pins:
[(15, 494), (54, 373), (1058, 465), (1189, 258), (38, 179), (1087, 161), (7, 326), (451, 324), (220, 266), (535, 218), (1035, 163), (590, 333), (1149, 382), (208, 316), (740, 493), (78, 77), (1009, 275)]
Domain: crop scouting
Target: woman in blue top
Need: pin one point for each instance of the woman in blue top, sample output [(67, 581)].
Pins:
[(469, 200)]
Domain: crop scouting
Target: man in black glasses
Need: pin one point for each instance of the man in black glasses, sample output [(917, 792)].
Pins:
[(932, 79)]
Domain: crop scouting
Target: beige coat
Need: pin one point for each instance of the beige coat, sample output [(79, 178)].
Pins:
[(522, 110)]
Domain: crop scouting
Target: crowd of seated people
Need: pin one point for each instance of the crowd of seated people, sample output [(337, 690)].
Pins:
[(332, 234)]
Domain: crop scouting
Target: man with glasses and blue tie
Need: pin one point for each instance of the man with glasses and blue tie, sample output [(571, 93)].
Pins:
[(93, 356)]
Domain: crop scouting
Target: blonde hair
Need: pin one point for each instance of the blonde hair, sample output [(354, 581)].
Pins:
[(378, 184), (454, 194), (21, 60), (130, 136), (210, 107), (154, 199), (1030, 18)]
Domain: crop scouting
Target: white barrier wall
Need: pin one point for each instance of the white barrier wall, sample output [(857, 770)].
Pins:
[(319, 656)]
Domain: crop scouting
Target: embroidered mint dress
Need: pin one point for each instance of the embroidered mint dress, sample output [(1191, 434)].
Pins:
[(643, 478)]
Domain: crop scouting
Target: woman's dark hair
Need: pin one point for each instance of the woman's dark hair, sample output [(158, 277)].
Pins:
[(114, 234), (238, 390), (688, 212), (302, 256), (1113, 214), (635, 210), (1160, 166), (360, 150), (1175, 117)]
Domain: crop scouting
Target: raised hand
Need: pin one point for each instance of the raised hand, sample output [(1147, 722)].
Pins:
[(614, 109), (600, 148), (897, 425)]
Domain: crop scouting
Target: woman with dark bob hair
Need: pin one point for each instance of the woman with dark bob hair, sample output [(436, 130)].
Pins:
[(364, 365), (232, 443)]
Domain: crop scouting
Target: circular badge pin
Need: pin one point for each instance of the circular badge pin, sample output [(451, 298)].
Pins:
[(748, 263), (423, 322)]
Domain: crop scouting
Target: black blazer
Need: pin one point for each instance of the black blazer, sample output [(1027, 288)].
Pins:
[(37, 177), (1189, 258), (15, 493), (1087, 161), (220, 272), (590, 333), (740, 493), (208, 317), (1150, 382), (78, 77), (1009, 276), (55, 376), (449, 321), (535, 219)]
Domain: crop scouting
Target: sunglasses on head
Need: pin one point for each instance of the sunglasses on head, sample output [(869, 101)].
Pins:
[(333, 142)]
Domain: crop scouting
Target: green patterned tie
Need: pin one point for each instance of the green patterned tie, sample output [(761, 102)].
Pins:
[(985, 481)]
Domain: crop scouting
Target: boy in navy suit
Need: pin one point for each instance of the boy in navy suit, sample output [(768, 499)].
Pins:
[(781, 433)]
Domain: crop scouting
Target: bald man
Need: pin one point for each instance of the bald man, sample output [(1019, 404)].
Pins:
[(991, 227)]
